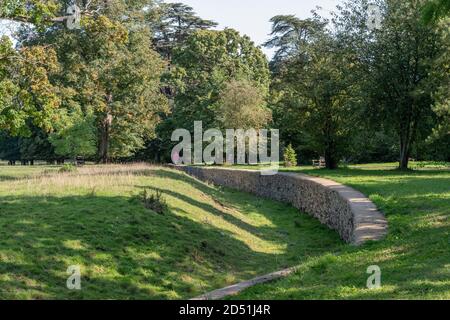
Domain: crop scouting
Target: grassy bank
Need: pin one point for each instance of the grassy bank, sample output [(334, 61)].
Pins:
[(415, 257), (209, 238)]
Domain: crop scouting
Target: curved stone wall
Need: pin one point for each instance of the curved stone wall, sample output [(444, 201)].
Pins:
[(341, 208)]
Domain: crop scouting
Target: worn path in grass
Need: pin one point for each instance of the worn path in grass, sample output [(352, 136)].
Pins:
[(414, 258), (210, 237)]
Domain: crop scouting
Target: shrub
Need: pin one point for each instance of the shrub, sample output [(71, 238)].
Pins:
[(290, 156), (154, 201), (68, 168)]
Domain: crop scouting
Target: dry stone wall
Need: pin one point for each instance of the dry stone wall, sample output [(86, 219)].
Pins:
[(341, 208)]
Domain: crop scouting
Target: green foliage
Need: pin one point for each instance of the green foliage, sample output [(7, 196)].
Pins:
[(173, 23), (441, 74), (154, 201), (108, 66), (9, 147), (290, 156), (334, 82), (67, 168), (242, 106), (37, 146), (435, 10), (203, 67), (372, 145), (330, 88), (114, 72), (314, 89), (288, 36), (26, 92), (399, 86), (37, 12), (205, 64), (75, 135)]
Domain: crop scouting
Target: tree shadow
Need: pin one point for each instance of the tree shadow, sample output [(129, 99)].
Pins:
[(129, 252), (414, 257), (355, 172)]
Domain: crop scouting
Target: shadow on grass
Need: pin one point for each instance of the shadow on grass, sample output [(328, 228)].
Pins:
[(354, 172), (414, 266), (414, 258), (128, 252), (7, 178), (139, 255)]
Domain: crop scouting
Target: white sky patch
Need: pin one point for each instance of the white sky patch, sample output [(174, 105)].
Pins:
[(8, 28), (252, 17)]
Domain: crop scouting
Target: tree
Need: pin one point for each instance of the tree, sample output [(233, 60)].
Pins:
[(107, 66), (242, 106), (400, 86), (9, 148), (441, 73), (173, 24), (45, 14), (202, 67), (38, 12), (76, 137), (313, 89), (326, 99), (435, 10), (114, 72), (290, 156), (37, 146), (289, 35), (26, 92), (205, 64), (393, 64)]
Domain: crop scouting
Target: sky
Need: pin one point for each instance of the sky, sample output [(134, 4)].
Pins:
[(6, 27), (251, 17)]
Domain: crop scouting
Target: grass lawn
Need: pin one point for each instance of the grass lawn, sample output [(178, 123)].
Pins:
[(414, 258), (210, 237)]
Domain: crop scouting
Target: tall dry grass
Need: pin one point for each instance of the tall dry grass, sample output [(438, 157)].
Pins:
[(87, 179)]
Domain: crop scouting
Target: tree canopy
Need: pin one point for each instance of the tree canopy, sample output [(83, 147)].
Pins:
[(115, 87)]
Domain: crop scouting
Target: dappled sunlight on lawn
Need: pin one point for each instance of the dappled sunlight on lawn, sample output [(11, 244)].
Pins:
[(209, 238), (414, 258)]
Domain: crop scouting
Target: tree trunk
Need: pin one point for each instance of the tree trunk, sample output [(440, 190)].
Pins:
[(330, 159), (405, 144), (404, 154), (104, 142), (104, 134)]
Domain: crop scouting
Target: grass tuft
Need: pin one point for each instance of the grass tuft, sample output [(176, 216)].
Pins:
[(154, 201)]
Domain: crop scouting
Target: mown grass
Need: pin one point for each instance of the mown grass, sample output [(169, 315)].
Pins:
[(212, 237), (209, 237), (414, 258)]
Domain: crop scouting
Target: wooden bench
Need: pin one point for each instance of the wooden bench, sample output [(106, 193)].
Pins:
[(319, 163)]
